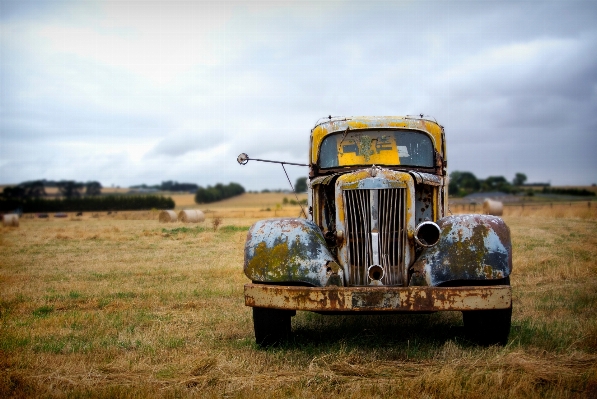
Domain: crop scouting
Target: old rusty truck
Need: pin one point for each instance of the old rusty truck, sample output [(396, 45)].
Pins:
[(378, 236)]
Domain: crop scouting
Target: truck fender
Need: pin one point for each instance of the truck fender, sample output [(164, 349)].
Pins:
[(288, 250), (470, 247)]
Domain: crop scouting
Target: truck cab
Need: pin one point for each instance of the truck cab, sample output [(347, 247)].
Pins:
[(378, 236)]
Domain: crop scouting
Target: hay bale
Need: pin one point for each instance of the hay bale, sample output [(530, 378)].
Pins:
[(491, 207), (191, 216), (167, 216), (10, 219)]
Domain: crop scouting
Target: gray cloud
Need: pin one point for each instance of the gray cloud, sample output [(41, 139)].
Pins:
[(91, 91)]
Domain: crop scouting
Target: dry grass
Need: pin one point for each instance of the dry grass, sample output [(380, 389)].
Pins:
[(248, 205), (253, 205), (122, 306), (580, 209), (244, 202), (551, 210)]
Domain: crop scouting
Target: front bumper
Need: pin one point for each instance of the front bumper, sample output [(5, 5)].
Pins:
[(378, 299)]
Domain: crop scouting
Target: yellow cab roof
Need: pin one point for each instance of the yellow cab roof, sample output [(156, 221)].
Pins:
[(337, 124)]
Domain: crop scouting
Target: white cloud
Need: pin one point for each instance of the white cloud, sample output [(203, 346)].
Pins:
[(134, 92)]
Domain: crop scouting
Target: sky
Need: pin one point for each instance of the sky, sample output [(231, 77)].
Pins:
[(140, 92)]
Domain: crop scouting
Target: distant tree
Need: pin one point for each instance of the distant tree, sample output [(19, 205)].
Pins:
[(519, 179), (496, 183), (218, 192), (34, 189), (30, 189), (167, 185), (463, 183), (93, 188), (301, 185), (176, 186), (69, 188), (14, 192), (146, 187)]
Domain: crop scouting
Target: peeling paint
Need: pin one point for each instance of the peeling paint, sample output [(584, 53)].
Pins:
[(378, 299), (289, 254), (471, 247), (320, 131), (288, 250), (383, 179)]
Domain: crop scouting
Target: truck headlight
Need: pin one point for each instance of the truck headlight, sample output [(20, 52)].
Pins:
[(375, 273), (427, 234)]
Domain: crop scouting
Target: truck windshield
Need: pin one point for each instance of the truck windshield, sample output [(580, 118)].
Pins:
[(379, 147)]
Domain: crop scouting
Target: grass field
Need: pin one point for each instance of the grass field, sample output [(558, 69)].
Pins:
[(123, 306)]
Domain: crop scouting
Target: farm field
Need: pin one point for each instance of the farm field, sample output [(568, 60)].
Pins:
[(123, 306), (247, 204)]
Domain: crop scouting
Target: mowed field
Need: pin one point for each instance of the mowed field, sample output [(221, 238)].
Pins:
[(258, 205), (104, 306)]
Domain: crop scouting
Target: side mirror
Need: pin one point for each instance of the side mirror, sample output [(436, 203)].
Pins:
[(242, 159)]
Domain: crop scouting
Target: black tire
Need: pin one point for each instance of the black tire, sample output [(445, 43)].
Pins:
[(488, 327), (272, 326)]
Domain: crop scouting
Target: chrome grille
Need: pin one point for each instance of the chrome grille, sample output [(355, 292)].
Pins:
[(375, 232)]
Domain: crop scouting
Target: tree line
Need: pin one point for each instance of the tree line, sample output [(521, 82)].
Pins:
[(93, 203), (66, 188), (464, 183), (218, 192), (170, 185)]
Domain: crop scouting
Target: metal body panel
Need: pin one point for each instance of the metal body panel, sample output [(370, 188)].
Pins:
[(427, 178), (376, 178), (329, 126), (471, 247), (425, 203), (289, 250), (378, 299), (367, 215)]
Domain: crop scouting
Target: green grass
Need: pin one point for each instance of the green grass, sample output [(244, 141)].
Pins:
[(233, 229), (43, 311), (185, 230)]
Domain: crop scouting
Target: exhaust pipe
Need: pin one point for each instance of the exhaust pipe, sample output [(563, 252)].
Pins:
[(375, 273), (427, 234)]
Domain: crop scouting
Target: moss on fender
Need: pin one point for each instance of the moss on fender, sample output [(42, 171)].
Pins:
[(471, 247), (287, 250)]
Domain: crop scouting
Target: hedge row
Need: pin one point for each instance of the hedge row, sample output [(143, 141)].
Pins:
[(218, 192), (569, 191), (100, 203)]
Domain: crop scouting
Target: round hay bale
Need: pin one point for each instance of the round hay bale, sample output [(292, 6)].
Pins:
[(167, 216), (491, 207), (191, 216), (10, 219)]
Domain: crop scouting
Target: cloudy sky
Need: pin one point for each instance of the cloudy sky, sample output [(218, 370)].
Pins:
[(131, 92)]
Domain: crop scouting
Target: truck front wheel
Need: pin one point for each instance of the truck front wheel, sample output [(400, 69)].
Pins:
[(272, 326), (488, 327)]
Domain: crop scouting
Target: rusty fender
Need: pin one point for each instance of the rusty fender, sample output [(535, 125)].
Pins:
[(367, 299), (471, 247), (289, 250)]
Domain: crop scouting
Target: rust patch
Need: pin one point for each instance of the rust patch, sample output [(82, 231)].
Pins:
[(355, 299), (471, 247), (288, 250)]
